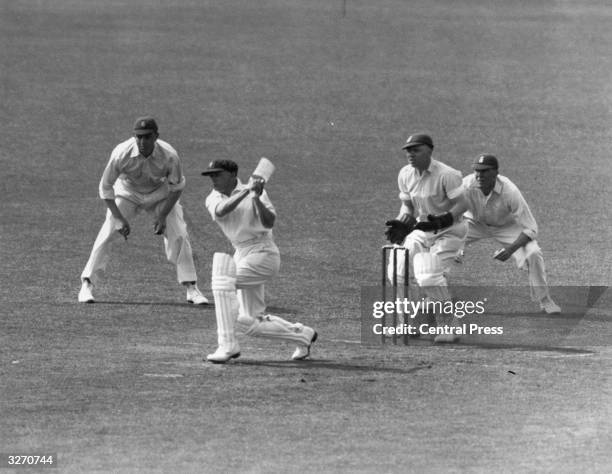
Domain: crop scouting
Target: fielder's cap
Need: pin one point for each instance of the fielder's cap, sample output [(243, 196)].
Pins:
[(144, 125), (418, 139), (217, 166), (485, 162)]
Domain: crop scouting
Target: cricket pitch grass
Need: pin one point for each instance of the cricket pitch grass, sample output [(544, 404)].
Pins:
[(328, 91)]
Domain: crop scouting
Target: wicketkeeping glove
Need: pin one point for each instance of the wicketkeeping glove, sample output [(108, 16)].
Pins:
[(397, 230), (435, 223)]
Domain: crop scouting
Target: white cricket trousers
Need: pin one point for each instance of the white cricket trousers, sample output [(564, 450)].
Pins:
[(176, 240), (530, 257), (256, 264)]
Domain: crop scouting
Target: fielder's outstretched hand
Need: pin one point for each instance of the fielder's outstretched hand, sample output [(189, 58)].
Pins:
[(398, 230)]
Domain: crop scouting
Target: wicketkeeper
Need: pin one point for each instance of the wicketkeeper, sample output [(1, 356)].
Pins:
[(429, 224)]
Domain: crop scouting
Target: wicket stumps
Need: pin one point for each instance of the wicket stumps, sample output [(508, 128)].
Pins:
[(391, 253)]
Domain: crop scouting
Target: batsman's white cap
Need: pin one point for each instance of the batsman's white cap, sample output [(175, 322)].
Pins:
[(265, 169)]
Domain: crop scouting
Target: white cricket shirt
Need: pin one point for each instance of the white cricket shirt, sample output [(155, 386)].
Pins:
[(505, 205), (139, 174), (243, 223), (430, 192)]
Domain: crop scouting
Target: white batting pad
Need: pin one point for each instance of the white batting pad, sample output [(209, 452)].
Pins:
[(226, 307), (429, 275), (223, 286), (223, 272), (265, 169), (273, 327), (428, 270)]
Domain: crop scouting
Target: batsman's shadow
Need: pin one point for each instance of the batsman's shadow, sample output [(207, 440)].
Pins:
[(324, 364), (174, 304), (210, 305)]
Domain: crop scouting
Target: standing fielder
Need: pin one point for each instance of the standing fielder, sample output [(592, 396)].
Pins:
[(143, 173), (429, 224), (246, 217), (498, 210)]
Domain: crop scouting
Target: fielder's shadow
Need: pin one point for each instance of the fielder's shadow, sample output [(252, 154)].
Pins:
[(330, 365)]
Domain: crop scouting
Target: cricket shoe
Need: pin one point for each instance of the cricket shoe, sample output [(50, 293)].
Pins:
[(194, 296), (222, 355), (549, 306), (86, 295), (302, 352)]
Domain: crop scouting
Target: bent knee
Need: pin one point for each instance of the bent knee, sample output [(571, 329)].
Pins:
[(428, 269)]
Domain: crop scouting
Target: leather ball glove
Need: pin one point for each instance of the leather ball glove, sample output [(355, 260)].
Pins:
[(397, 230), (435, 223)]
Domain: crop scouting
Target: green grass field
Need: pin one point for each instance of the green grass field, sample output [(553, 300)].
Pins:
[(329, 91)]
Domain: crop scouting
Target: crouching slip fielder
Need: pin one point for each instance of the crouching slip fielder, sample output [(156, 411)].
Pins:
[(143, 173), (246, 217), (498, 210), (429, 223)]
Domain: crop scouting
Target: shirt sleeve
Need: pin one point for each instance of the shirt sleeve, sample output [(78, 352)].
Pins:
[(521, 212), (265, 200), (401, 184), (453, 184), (109, 176), (176, 178), (212, 201)]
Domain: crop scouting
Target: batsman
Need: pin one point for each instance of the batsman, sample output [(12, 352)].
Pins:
[(246, 216), (429, 225)]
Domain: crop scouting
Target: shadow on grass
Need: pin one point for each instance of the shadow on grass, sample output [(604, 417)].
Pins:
[(271, 309), (148, 303), (524, 347), (565, 315), (331, 365), (490, 345), (279, 310)]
